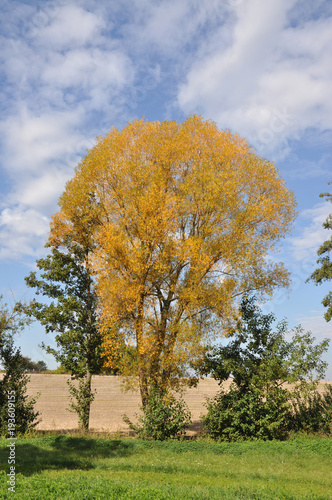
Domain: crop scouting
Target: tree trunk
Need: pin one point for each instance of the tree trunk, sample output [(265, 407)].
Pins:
[(144, 388), (142, 373), (89, 399)]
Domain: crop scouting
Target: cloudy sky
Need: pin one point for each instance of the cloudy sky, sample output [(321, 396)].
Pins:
[(70, 70)]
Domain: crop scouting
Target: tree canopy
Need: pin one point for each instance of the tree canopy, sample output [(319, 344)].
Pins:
[(258, 356), (32, 366), (324, 271), (180, 218)]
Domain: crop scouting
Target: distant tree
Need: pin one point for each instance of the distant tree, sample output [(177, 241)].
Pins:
[(66, 279), (31, 366), (14, 401), (41, 366), (324, 272), (27, 364), (263, 363)]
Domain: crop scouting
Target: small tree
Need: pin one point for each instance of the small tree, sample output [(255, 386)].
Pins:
[(14, 401), (324, 272), (162, 418), (66, 278), (263, 363)]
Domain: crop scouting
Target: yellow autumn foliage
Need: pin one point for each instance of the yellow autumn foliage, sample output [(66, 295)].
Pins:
[(180, 219)]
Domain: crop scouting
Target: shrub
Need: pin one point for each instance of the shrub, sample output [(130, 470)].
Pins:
[(313, 413), (82, 397), (263, 363), (242, 415), (163, 417), (16, 407)]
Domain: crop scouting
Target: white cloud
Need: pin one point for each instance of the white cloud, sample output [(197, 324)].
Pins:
[(219, 77), (268, 67), (40, 192), (62, 72), (312, 234), (171, 29), (68, 26), (31, 142), (22, 231), (87, 69), (160, 25)]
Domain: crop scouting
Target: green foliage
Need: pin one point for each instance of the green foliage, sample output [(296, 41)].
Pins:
[(260, 357), (83, 395), (261, 404), (41, 366), (32, 366), (163, 417), (250, 414), (60, 370), (14, 402), (314, 412), (65, 278), (324, 271)]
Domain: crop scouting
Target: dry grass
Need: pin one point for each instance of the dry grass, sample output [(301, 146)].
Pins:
[(109, 405)]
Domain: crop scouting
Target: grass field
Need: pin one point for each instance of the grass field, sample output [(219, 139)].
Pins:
[(73, 467)]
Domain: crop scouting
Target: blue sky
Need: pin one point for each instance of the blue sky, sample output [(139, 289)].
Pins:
[(70, 70)]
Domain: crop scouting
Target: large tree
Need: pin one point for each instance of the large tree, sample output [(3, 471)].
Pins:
[(324, 271), (183, 217), (65, 278)]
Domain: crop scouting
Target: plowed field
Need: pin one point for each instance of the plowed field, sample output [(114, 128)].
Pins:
[(110, 404)]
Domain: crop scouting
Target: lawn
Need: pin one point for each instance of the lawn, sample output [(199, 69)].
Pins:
[(74, 467)]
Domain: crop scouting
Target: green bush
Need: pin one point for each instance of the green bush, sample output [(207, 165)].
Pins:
[(162, 418), (17, 414), (274, 389), (60, 370), (13, 390), (243, 415), (313, 413)]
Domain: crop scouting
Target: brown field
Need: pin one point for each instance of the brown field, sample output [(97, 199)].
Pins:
[(109, 405)]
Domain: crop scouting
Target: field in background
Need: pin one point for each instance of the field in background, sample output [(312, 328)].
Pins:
[(110, 403)]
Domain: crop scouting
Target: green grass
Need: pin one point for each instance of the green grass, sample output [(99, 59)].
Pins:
[(73, 467)]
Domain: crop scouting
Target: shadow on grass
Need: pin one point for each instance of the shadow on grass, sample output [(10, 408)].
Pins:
[(62, 452)]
